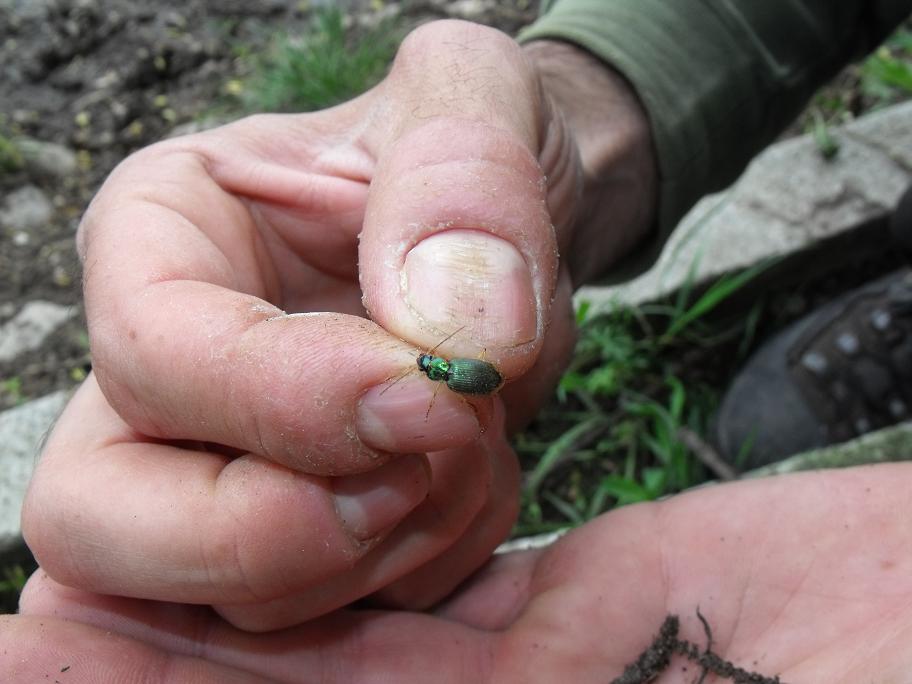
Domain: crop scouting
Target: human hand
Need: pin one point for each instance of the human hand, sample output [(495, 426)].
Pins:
[(228, 453), (802, 576)]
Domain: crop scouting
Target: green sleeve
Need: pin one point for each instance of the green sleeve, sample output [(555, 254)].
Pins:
[(719, 78)]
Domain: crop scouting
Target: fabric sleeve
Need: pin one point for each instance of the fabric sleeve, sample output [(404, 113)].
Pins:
[(718, 78)]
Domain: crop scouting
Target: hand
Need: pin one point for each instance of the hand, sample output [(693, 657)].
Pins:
[(804, 576), (237, 445)]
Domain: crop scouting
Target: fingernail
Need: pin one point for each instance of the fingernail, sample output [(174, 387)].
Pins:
[(408, 417), (472, 279), (372, 502)]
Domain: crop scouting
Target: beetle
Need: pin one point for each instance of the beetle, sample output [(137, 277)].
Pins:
[(464, 376)]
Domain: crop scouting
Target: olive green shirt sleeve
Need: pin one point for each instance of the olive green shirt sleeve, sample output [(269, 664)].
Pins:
[(718, 78)]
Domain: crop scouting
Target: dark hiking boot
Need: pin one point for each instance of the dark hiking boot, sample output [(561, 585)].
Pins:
[(839, 372)]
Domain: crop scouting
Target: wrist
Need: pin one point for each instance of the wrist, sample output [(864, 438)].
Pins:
[(611, 130)]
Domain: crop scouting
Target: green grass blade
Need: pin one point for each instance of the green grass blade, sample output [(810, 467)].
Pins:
[(721, 290)]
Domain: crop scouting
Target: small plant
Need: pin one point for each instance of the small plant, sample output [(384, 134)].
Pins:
[(12, 580), (612, 436), (886, 76), (11, 391), (325, 66), (10, 155)]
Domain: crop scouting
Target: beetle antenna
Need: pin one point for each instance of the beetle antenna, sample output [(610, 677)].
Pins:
[(396, 381), (445, 339)]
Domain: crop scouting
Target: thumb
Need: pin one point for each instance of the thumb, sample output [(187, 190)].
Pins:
[(457, 234)]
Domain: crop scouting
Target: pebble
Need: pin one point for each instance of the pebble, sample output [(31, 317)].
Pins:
[(26, 209), (47, 158), (22, 431), (28, 329)]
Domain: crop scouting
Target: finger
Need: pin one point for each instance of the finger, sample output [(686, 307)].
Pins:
[(301, 390), (493, 597), (432, 581), (152, 520), (464, 482), (400, 647), (457, 233)]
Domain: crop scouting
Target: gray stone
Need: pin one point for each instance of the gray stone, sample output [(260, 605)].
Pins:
[(22, 431), (888, 445), (28, 329), (789, 199), (48, 158), (25, 209), (28, 9)]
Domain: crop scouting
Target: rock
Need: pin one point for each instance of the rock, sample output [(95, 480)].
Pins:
[(47, 158), (889, 445), (26, 208), (789, 200), (24, 10), (28, 329), (22, 431)]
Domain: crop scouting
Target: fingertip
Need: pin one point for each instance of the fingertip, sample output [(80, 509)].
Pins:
[(415, 416), (372, 503)]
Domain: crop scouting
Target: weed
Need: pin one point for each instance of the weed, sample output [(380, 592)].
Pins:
[(325, 66), (884, 78), (12, 580), (612, 435), (10, 155), (11, 390)]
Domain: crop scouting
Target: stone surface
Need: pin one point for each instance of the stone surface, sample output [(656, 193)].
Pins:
[(788, 199), (48, 159), (28, 329), (890, 444), (25, 208), (22, 431)]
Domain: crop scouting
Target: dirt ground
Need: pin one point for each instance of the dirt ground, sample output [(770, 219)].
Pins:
[(102, 79)]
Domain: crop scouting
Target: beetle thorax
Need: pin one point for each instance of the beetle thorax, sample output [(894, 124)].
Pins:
[(435, 367)]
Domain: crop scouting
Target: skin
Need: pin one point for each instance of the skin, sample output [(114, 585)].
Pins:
[(804, 576), (229, 478)]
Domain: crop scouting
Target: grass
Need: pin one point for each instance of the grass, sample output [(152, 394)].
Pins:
[(612, 435), (11, 391), (10, 155), (12, 579), (884, 78), (328, 64)]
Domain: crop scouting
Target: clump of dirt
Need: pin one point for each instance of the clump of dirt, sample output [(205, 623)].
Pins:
[(657, 658)]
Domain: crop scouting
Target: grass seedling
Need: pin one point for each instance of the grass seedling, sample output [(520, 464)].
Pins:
[(328, 64), (10, 155), (12, 580)]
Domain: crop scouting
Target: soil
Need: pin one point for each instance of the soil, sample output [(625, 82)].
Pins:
[(657, 658), (104, 79)]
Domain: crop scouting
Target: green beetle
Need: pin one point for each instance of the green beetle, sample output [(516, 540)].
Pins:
[(465, 376)]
